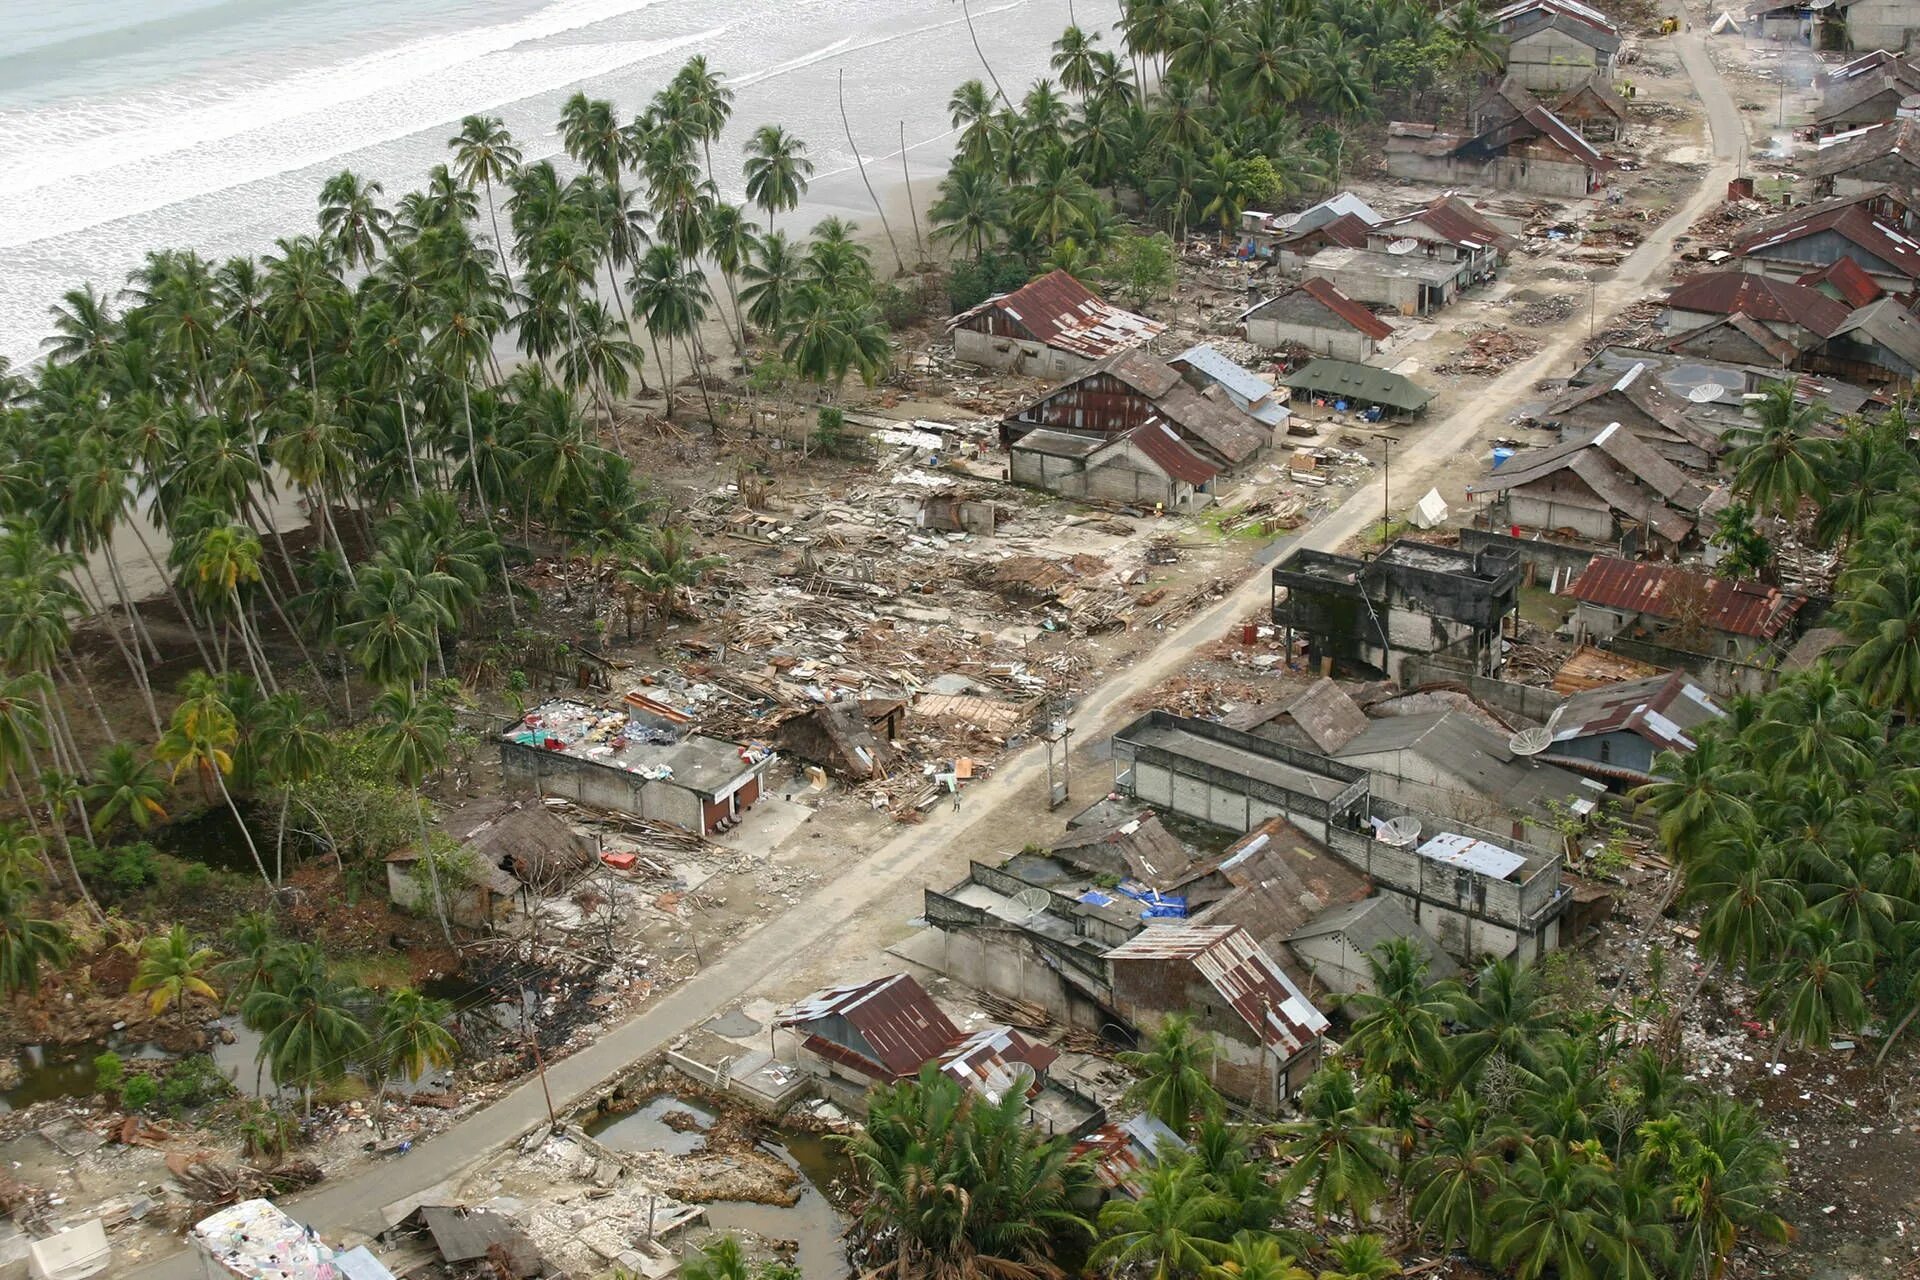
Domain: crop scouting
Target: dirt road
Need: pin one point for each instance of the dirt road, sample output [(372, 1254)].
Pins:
[(354, 1203)]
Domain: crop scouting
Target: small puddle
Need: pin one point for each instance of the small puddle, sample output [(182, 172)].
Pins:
[(813, 1222), (645, 1127)]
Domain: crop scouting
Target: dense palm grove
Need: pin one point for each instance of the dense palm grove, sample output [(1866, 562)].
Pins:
[(1204, 109), (1490, 1120), (1794, 821)]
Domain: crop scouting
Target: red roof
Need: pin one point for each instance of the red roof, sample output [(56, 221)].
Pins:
[(1850, 222), (1171, 454), (1061, 312), (898, 1022), (1346, 308), (1664, 590), (1855, 287), (1762, 297)]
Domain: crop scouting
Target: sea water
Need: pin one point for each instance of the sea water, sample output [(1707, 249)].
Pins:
[(127, 125)]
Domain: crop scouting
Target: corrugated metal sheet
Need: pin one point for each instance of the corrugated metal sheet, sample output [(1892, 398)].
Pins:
[(1762, 297), (1355, 315), (1246, 977), (894, 1015), (1059, 311), (1662, 591), (1168, 452)]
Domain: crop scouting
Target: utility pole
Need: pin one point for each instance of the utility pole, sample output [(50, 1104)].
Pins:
[(1386, 484)]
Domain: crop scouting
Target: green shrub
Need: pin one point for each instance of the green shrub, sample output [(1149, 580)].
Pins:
[(193, 1081), (139, 1092)]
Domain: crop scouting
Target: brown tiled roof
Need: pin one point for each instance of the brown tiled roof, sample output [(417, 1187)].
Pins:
[(1061, 312), (1346, 308), (1847, 219), (1658, 590), (1760, 296), (1844, 276)]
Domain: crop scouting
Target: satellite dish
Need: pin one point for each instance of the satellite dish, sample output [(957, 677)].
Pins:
[(1401, 832), (1032, 902), (1529, 742), (1706, 393), (1403, 246)]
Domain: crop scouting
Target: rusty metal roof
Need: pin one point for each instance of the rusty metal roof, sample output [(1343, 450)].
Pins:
[(1358, 317), (1762, 297), (990, 1060), (1664, 590), (1246, 977), (1665, 710), (1058, 310), (1171, 454), (894, 1015)]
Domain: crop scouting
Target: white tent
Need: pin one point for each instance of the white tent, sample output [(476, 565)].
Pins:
[(1430, 511), (73, 1254)]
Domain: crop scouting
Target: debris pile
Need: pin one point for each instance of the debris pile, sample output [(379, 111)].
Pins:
[(1490, 350)]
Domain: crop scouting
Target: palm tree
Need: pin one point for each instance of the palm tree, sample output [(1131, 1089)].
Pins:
[(1501, 1016), (410, 739), (1457, 1174), (27, 943), (954, 1185), (1336, 1153), (1360, 1257), (720, 1259), (484, 153), (351, 219), (305, 1018), (200, 740), (1175, 1071), (1398, 1026), (1255, 1255), (776, 170), (173, 971), (1551, 1214), (1779, 464), (126, 788), (1167, 1230), (1818, 984)]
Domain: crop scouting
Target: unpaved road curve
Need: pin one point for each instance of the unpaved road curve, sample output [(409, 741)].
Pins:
[(354, 1203)]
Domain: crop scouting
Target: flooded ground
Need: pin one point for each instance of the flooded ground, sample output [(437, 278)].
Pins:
[(813, 1224)]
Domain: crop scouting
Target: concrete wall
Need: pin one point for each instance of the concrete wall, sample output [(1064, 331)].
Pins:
[(1552, 60), (1524, 703), (1340, 344), (549, 773), (1016, 355)]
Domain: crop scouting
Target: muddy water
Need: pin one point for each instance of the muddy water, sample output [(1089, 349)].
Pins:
[(813, 1221)]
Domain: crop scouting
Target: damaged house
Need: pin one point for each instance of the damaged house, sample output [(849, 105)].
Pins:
[(1615, 731), (851, 738), (1036, 944), (1319, 318), (1638, 402), (1555, 45), (1129, 390), (1474, 892), (643, 757), (1412, 599), (1875, 228), (1536, 152), (1051, 327), (1604, 488), (1149, 466), (1681, 610), (1417, 262)]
